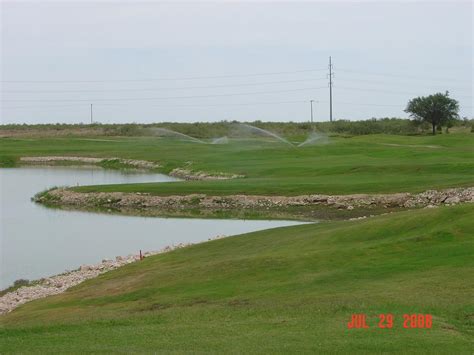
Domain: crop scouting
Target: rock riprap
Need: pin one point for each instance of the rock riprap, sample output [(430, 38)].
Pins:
[(139, 164), (181, 173), (120, 200), (187, 174)]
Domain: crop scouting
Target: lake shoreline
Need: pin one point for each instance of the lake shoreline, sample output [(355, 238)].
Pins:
[(64, 197), (120, 163), (304, 207), (104, 162), (56, 284)]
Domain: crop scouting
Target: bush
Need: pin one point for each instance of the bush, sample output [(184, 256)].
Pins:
[(21, 282), (17, 284), (7, 162)]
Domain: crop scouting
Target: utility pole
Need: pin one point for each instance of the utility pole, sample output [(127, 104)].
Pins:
[(312, 115), (330, 89), (91, 114)]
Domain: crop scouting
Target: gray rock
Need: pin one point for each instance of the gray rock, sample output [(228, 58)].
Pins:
[(452, 200)]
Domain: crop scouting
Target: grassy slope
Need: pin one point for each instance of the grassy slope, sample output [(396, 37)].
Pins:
[(275, 291), (345, 165)]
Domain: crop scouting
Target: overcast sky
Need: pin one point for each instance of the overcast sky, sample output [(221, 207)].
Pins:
[(197, 61)]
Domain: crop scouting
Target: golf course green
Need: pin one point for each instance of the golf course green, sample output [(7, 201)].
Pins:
[(274, 291), (291, 289), (361, 164)]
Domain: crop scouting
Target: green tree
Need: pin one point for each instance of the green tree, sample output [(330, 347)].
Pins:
[(437, 109)]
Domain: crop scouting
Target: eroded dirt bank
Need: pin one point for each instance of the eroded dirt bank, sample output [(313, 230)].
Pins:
[(294, 204)]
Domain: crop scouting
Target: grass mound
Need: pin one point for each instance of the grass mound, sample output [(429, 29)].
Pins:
[(280, 290)]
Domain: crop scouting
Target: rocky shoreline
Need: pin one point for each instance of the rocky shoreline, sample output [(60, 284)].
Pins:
[(138, 164), (201, 175), (181, 173), (143, 201), (60, 283)]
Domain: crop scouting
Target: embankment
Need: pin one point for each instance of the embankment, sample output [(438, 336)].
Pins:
[(299, 207), (59, 283)]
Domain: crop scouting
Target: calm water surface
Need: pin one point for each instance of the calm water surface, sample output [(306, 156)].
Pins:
[(36, 241)]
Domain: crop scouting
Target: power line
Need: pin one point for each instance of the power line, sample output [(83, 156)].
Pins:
[(398, 75), (118, 101), (168, 97), (387, 91), (384, 83), (162, 79), (343, 79), (167, 105), (41, 106), (209, 105), (166, 88), (368, 104)]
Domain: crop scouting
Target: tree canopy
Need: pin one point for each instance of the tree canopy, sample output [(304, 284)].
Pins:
[(437, 109)]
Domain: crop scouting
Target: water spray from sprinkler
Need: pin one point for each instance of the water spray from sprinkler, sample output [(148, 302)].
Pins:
[(265, 132), (169, 132)]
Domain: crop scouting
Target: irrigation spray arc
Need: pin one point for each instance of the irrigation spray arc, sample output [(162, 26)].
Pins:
[(313, 138), (264, 132), (169, 132), (221, 140)]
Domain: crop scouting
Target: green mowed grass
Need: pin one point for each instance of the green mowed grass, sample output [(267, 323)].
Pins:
[(281, 290), (371, 164)]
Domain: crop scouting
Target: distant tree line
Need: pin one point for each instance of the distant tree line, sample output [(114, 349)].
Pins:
[(231, 128)]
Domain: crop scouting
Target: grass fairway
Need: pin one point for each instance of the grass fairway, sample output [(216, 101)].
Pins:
[(370, 164), (283, 290)]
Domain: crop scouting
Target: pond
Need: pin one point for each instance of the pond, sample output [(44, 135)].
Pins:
[(36, 241)]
